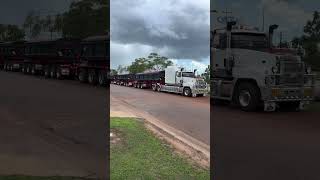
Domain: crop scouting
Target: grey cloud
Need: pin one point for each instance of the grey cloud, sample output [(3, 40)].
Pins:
[(186, 35)]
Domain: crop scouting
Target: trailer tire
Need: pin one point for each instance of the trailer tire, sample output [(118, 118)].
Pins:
[(83, 75), (52, 72), (58, 74), (92, 77), (46, 72), (33, 70), (187, 92), (102, 78), (248, 97)]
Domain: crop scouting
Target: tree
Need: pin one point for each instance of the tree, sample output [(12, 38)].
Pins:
[(113, 72), (29, 22), (121, 69), (11, 33), (206, 74), (153, 62), (312, 28)]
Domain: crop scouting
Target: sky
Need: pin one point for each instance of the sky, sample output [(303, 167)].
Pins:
[(15, 11), (177, 29), (290, 15)]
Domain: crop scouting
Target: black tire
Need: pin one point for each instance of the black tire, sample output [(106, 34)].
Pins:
[(248, 97), (46, 72), (33, 70), (83, 75), (154, 87), (58, 74), (187, 92), (92, 77), (52, 72), (102, 78)]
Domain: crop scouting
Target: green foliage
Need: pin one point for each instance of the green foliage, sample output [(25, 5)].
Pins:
[(152, 62), (84, 18), (113, 72), (11, 33), (206, 74), (310, 41)]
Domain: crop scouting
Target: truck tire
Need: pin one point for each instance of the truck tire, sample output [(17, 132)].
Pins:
[(187, 92), (154, 87), (33, 70), (52, 72), (248, 97), (46, 72), (92, 77), (83, 75), (58, 74), (102, 78)]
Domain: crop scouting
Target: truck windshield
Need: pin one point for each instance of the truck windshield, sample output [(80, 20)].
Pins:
[(249, 41), (188, 74)]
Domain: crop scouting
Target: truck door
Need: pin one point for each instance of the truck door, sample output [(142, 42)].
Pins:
[(218, 55)]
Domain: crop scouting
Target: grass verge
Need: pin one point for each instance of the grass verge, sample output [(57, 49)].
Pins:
[(140, 155)]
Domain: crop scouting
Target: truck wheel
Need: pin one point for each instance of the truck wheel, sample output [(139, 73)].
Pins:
[(154, 87), (92, 77), (28, 70), (33, 70), (47, 72), (58, 74), (52, 72), (248, 97), (83, 75), (102, 78), (187, 92)]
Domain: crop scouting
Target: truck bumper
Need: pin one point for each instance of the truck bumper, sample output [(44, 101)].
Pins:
[(199, 91), (272, 97)]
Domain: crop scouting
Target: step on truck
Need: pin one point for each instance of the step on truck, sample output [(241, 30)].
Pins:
[(249, 71), (176, 80), (94, 62), (52, 58)]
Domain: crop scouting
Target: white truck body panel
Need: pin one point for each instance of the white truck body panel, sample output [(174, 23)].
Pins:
[(170, 74)]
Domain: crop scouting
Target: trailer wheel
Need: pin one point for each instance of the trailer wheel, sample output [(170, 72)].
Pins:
[(102, 78), (83, 75), (47, 72), (248, 97), (187, 92), (154, 87), (92, 77), (158, 88), (52, 72), (33, 70), (58, 74)]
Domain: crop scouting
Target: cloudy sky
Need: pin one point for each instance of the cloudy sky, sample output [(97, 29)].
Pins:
[(290, 15), (177, 29), (15, 11)]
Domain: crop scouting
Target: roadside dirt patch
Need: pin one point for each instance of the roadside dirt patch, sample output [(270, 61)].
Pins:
[(117, 138)]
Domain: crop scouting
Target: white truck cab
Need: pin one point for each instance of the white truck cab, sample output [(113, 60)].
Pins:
[(249, 72), (183, 82)]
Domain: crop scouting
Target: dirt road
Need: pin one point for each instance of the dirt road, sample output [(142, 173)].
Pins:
[(51, 127), (264, 146), (190, 115)]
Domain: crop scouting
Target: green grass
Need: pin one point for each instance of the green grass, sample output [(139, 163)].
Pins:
[(16, 177), (140, 155)]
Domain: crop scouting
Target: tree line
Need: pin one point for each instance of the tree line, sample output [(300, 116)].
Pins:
[(84, 18)]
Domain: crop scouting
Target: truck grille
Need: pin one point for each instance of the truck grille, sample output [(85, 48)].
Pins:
[(201, 84), (291, 79), (292, 67)]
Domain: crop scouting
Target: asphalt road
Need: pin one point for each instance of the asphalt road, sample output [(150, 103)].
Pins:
[(187, 114), (265, 146), (52, 127)]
